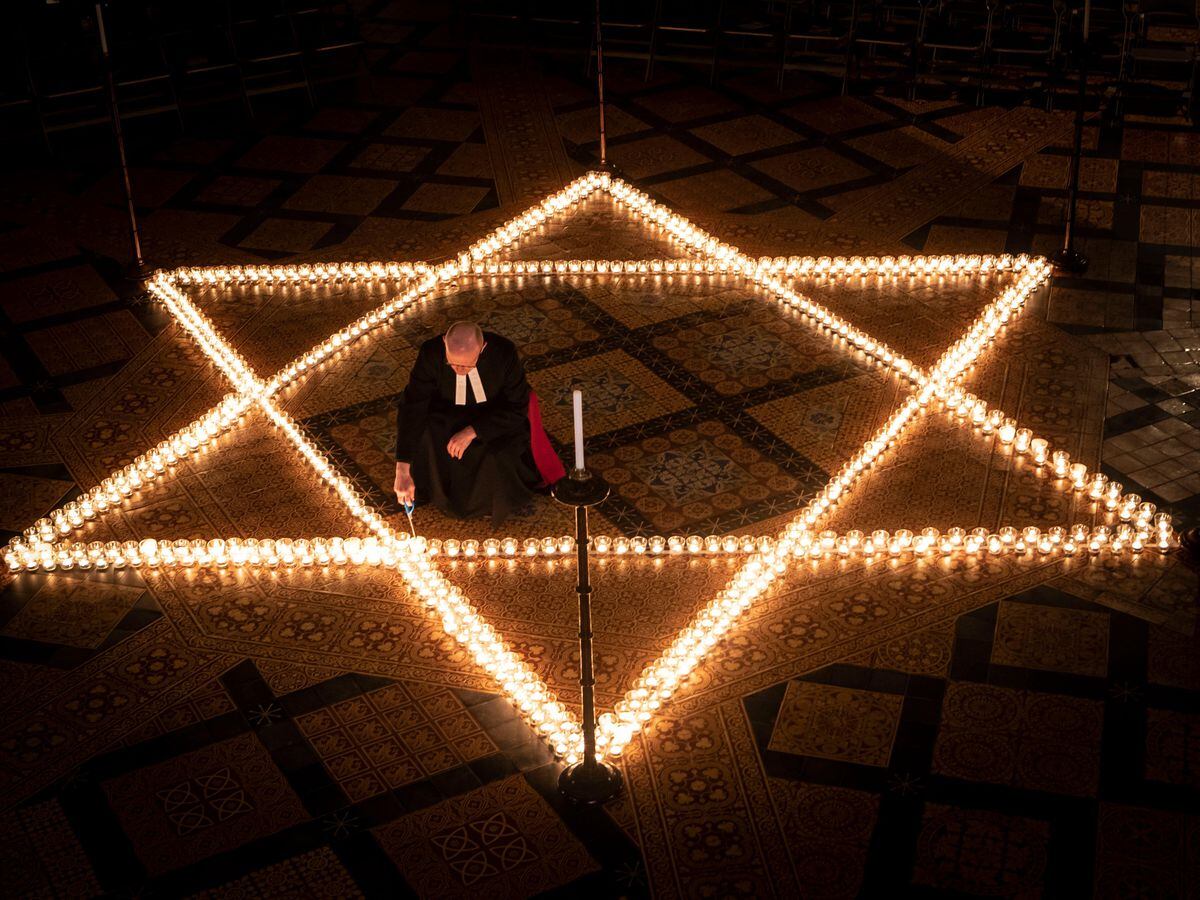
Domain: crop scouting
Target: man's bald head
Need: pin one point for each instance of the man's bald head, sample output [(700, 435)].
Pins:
[(464, 342)]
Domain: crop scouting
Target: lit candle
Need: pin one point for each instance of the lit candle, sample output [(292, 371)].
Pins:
[(577, 402)]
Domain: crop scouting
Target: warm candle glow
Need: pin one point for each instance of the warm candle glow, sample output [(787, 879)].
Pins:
[(1127, 524)]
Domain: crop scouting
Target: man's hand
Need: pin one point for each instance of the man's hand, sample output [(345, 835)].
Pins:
[(460, 442), (405, 490)]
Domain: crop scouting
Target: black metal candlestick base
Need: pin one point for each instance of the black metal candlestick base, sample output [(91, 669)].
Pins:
[(588, 781), (1070, 261), (588, 785)]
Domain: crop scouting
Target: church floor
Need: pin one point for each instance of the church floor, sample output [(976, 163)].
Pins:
[(1001, 728)]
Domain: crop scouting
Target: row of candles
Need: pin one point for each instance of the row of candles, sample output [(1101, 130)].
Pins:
[(801, 266), (289, 553), (41, 546)]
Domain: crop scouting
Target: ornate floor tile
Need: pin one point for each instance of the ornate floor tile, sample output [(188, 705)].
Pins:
[(1146, 852), (754, 348), (202, 803), (692, 476), (285, 236), (822, 421), (998, 735), (27, 498), (837, 723), (77, 612), (620, 391), (291, 154), (746, 134), (41, 855), (828, 830), (812, 169), (341, 194), (498, 840), (1173, 747), (1172, 659), (387, 738), (1055, 640), (317, 875), (977, 851)]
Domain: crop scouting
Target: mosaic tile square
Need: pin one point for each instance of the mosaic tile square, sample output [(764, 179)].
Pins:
[(202, 803), (304, 155), (445, 199), (341, 194), (635, 301), (811, 170), (822, 421), (657, 155), (758, 346), (318, 874), (998, 735), (62, 290), (27, 498), (434, 124), (977, 851), (828, 833), (42, 856), (1051, 639), (722, 191), (238, 190), (285, 235), (390, 157), (687, 476), (498, 840), (837, 723), (1173, 747), (73, 611), (389, 737), (746, 134), (620, 391)]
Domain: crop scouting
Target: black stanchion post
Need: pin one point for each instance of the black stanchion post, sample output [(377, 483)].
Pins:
[(139, 269), (1068, 258), (589, 780), (600, 84)]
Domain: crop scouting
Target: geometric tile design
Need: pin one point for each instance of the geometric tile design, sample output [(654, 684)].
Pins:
[(1055, 640), (837, 723), (998, 735), (75, 612), (1173, 747), (1146, 852), (499, 840), (392, 736), (979, 852), (828, 830), (41, 855), (204, 802), (318, 874)]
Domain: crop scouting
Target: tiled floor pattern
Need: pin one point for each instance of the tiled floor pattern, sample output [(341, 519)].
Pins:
[(952, 733)]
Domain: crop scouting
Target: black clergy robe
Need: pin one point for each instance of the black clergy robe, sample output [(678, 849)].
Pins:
[(496, 474)]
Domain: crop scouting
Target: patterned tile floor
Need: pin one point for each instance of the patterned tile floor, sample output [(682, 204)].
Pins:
[(933, 730)]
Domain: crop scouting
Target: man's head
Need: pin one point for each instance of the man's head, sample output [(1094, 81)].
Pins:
[(464, 342)]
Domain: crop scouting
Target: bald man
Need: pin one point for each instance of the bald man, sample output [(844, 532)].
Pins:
[(462, 427)]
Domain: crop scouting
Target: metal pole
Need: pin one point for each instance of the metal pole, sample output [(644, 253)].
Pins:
[(139, 264), (600, 84), (589, 780), (1068, 258), (587, 678)]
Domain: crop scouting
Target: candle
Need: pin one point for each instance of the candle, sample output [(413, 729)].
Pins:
[(577, 402)]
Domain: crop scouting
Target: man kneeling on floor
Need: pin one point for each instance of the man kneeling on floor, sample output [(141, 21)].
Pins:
[(463, 428)]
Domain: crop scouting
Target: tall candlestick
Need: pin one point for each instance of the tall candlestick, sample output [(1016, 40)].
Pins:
[(577, 402)]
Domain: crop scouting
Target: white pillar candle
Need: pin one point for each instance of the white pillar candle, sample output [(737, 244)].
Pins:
[(577, 402)]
